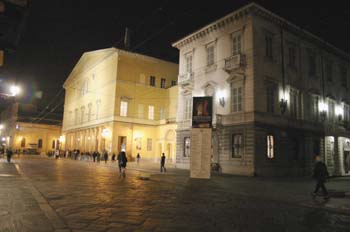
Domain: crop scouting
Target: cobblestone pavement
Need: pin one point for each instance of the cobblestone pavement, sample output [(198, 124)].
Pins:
[(38, 194)]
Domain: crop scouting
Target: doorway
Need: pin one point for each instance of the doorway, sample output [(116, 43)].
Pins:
[(346, 162)]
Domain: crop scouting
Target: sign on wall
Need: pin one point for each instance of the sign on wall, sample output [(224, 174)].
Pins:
[(202, 112)]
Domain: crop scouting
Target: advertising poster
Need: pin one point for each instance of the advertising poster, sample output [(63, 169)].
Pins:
[(202, 112)]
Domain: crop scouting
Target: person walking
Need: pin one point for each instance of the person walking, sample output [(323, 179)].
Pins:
[(320, 174), (98, 157), (9, 154), (122, 161), (138, 158), (105, 156), (162, 163), (113, 157)]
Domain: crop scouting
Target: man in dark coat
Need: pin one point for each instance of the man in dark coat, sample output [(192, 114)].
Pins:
[(320, 174)]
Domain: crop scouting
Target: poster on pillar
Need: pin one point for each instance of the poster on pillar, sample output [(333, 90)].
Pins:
[(202, 112), (200, 153)]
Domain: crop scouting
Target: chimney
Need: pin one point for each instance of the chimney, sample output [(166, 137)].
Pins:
[(127, 39)]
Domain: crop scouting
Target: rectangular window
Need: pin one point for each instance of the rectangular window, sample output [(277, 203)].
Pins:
[(23, 142), (312, 65), (236, 43), (149, 144), (292, 56), (140, 111), (329, 71), (163, 83), (268, 46), (270, 146), (40, 143), (343, 76), (76, 116), (237, 99), (151, 112), (314, 108), (89, 111), (293, 103), (152, 81), (173, 83), (270, 99), (187, 146), (123, 108), (237, 146), (346, 113), (82, 112), (161, 113), (331, 109), (53, 144), (210, 55), (188, 108), (189, 64)]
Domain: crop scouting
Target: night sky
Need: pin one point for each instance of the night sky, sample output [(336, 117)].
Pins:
[(57, 32)]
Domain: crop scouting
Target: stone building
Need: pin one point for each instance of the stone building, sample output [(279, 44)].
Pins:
[(118, 100), (280, 93), (22, 130)]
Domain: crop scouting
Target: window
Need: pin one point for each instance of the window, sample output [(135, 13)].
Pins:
[(123, 108), (23, 142), (343, 76), (237, 99), (161, 113), (40, 143), (173, 83), (329, 71), (188, 108), (292, 56), (268, 46), (236, 43), (189, 63), (346, 112), (331, 105), (98, 103), (314, 108), (187, 146), (149, 144), (270, 98), (152, 81), (89, 111), (53, 144), (312, 65), (138, 143), (237, 145), (270, 146), (140, 111), (293, 103), (162, 83), (76, 116), (210, 55), (151, 112), (82, 112)]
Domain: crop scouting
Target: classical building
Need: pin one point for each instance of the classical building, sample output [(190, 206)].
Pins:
[(281, 95), (22, 130), (118, 100)]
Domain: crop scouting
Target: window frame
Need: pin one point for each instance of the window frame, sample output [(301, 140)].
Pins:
[(151, 112), (123, 108), (237, 147), (152, 81), (270, 148), (187, 150)]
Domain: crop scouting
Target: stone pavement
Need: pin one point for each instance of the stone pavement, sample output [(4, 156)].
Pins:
[(65, 195)]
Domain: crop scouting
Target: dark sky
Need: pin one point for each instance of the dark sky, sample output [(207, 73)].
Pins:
[(57, 32)]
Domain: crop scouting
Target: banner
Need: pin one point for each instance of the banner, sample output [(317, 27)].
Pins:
[(202, 112)]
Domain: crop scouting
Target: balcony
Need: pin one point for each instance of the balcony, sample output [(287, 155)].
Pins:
[(234, 62), (186, 80), (184, 124)]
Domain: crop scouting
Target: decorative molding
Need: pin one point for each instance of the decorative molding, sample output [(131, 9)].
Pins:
[(236, 77)]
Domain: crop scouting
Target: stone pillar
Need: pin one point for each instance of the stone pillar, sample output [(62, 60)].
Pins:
[(337, 166)]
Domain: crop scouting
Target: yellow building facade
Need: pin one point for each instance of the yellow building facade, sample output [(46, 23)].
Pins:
[(117, 100)]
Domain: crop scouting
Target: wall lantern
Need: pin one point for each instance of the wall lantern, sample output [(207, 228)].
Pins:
[(221, 94), (105, 133), (323, 109)]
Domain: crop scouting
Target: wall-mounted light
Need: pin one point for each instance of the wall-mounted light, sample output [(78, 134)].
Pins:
[(61, 139), (339, 111), (221, 94), (323, 109), (89, 138)]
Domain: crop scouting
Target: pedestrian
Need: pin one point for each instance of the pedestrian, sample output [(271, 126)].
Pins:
[(138, 158), (94, 155), (9, 154), (122, 161), (320, 175), (119, 158), (113, 157), (98, 157), (105, 156), (162, 163)]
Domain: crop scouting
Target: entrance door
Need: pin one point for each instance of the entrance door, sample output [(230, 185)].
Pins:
[(346, 162), (121, 143)]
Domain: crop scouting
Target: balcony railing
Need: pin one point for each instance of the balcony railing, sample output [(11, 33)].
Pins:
[(186, 79), (234, 62)]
